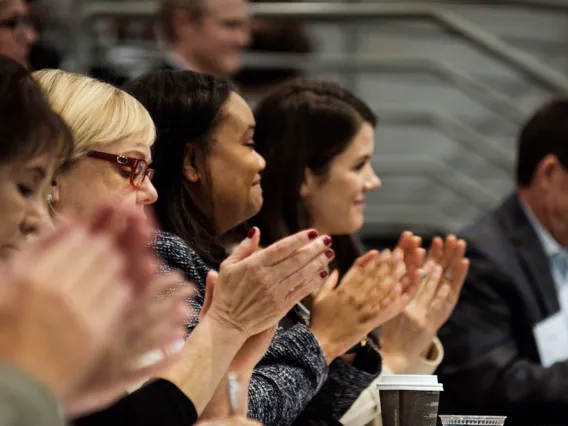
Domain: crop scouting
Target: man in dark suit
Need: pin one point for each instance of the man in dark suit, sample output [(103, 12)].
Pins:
[(506, 343)]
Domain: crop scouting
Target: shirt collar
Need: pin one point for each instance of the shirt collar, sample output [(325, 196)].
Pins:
[(549, 244)]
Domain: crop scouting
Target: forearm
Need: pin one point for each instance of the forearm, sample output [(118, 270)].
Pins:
[(204, 360), (346, 382), (219, 406)]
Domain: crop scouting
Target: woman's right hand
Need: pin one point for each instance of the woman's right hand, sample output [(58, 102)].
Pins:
[(369, 294), (256, 289)]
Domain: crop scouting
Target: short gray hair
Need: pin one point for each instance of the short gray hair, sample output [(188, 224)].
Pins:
[(195, 8)]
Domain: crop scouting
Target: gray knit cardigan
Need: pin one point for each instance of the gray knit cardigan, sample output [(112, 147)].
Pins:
[(293, 374)]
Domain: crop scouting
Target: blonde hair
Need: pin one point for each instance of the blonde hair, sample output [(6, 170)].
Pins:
[(97, 113)]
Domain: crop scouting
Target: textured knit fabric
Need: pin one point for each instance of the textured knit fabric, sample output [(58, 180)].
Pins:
[(293, 372)]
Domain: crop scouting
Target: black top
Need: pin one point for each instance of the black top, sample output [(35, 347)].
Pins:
[(159, 403)]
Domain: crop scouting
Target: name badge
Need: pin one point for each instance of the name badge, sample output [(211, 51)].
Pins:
[(551, 336)]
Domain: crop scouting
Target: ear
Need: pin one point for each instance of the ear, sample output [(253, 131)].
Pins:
[(180, 22), (548, 171), (55, 190), (190, 170), (306, 188)]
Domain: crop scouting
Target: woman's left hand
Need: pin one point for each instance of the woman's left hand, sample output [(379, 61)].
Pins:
[(410, 334)]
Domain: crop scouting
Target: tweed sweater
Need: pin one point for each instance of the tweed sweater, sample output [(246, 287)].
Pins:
[(293, 375)]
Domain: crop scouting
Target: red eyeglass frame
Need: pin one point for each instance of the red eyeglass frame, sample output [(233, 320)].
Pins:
[(123, 160)]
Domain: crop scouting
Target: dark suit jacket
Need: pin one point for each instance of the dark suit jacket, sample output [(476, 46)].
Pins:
[(491, 363)]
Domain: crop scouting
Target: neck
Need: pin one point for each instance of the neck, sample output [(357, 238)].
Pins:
[(186, 61), (533, 200)]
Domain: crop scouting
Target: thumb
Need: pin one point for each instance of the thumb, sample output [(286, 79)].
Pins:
[(210, 282), (328, 286), (247, 247)]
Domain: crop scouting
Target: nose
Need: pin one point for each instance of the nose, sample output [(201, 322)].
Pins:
[(372, 181), (243, 36), (36, 219), (147, 193), (261, 162), (30, 35)]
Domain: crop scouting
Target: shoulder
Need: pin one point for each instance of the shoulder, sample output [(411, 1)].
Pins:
[(178, 255)]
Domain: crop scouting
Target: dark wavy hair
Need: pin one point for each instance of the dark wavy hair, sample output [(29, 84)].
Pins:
[(546, 132), (186, 109), (28, 125), (301, 125)]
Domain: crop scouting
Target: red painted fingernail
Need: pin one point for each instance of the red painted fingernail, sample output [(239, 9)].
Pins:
[(327, 241), (313, 235), (251, 232), (329, 254), (323, 274)]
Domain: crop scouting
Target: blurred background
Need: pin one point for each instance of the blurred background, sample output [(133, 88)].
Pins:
[(451, 81)]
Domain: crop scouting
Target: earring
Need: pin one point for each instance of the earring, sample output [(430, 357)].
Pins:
[(49, 199)]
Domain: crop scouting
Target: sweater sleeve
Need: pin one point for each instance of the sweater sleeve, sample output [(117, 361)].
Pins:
[(287, 378), (159, 403), (347, 381), (23, 401)]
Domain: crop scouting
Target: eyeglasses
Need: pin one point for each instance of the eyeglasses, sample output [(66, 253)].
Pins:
[(138, 168), (17, 24)]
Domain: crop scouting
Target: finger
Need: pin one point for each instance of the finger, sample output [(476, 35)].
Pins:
[(111, 306), (406, 241), (55, 260), (457, 254), (49, 240), (133, 241), (449, 249), (302, 262), (246, 248), (105, 219), (366, 258), (210, 282), (328, 286), (436, 250), (300, 292), (299, 278), (429, 288), (289, 246), (460, 274)]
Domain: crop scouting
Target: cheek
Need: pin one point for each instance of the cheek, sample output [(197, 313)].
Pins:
[(12, 216)]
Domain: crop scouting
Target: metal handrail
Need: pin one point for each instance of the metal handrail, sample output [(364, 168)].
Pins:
[(364, 12), (443, 173), (502, 158), (473, 87)]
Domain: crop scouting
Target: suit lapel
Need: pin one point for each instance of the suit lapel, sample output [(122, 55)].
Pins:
[(532, 258)]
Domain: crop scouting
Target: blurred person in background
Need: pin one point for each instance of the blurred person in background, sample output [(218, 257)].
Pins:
[(207, 36), (274, 36), (17, 33), (318, 141), (507, 340)]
